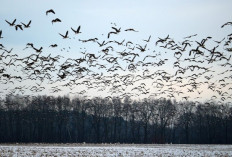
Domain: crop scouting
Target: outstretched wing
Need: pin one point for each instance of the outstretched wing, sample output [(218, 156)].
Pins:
[(78, 29), (8, 22)]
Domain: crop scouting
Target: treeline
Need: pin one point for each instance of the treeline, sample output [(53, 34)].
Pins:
[(50, 119)]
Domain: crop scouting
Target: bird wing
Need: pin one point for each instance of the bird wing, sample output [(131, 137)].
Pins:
[(62, 35), (14, 21), (73, 30), (78, 29), (23, 24), (20, 26), (109, 34), (8, 22), (29, 23), (115, 29), (66, 34), (52, 11)]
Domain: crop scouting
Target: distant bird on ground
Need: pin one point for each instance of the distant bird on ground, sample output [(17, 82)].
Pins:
[(26, 25), (11, 24), (76, 31), (50, 11), (18, 26), (65, 36), (56, 20)]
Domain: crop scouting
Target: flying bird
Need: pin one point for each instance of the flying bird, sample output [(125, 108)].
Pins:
[(65, 36), (117, 30), (148, 39), (26, 25), (1, 34), (18, 26), (131, 29), (190, 36), (76, 31), (53, 45), (56, 20), (38, 50), (11, 24), (50, 11), (228, 23)]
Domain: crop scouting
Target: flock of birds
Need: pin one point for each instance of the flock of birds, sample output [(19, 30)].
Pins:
[(181, 70)]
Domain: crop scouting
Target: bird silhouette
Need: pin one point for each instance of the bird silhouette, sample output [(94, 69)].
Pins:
[(50, 11), (18, 26), (1, 34), (148, 39), (227, 23), (56, 20), (131, 29), (65, 36), (38, 50), (11, 24), (116, 31), (26, 25), (76, 31), (53, 45)]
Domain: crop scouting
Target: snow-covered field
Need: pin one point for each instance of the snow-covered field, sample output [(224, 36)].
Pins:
[(115, 150)]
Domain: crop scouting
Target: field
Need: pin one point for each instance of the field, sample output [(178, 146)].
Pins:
[(112, 150)]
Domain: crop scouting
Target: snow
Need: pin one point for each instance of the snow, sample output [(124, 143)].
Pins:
[(114, 150)]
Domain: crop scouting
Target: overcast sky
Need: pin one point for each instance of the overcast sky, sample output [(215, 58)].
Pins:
[(178, 18)]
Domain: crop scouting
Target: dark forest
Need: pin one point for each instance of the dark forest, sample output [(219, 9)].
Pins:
[(48, 119)]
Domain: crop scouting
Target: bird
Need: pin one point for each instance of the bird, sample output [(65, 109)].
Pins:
[(111, 33), (131, 29), (142, 49), (18, 26), (190, 36), (76, 31), (148, 39), (56, 20), (53, 45), (228, 23), (65, 36), (50, 11), (117, 30), (11, 24), (38, 50), (8, 51), (1, 34), (162, 40), (26, 25)]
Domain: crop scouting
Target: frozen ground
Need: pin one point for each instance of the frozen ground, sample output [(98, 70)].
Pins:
[(114, 150)]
